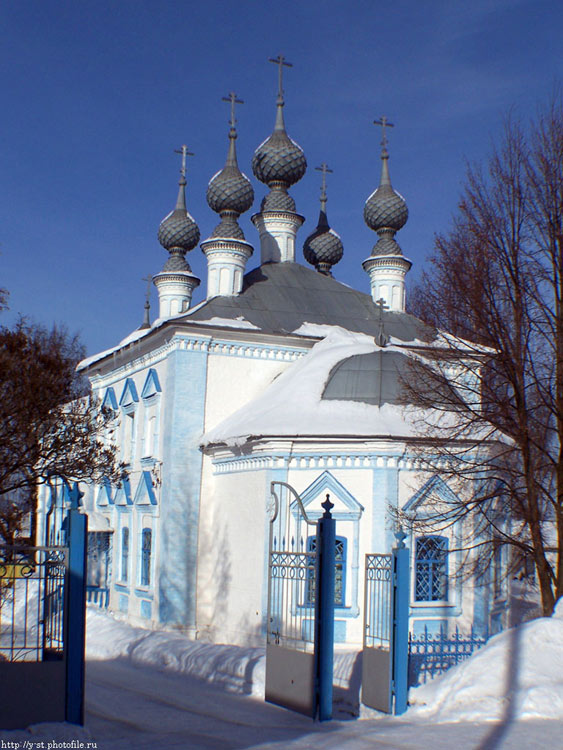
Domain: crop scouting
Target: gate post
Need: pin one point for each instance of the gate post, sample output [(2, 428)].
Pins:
[(401, 583), (324, 611), (75, 637)]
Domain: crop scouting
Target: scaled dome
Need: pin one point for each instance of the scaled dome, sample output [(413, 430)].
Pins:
[(230, 190), (385, 209), (323, 248), (373, 378), (279, 159)]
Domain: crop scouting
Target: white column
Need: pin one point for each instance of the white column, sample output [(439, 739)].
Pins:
[(277, 230)]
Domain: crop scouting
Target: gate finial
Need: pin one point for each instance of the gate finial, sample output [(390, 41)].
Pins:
[(327, 505)]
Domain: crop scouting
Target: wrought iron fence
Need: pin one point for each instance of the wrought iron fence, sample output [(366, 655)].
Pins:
[(292, 576), (378, 601), (431, 655), (32, 585)]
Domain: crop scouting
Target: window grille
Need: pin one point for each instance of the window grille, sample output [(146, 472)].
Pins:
[(431, 569), (339, 572), (146, 543), (124, 553)]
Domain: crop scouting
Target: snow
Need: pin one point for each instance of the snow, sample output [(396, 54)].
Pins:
[(278, 412), (239, 322), (147, 689)]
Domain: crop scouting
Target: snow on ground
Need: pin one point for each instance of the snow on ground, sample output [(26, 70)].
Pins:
[(156, 689)]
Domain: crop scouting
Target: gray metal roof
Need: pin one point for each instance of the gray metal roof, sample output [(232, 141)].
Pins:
[(371, 378), (280, 297)]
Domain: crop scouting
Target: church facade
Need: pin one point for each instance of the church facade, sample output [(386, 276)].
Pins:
[(281, 374)]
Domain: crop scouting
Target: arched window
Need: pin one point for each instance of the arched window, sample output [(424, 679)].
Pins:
[(146, 544), (431, 569), (339, 572), (124, 553)]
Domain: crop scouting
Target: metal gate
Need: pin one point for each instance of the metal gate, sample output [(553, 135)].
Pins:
[(42, 622), (386, 624), (299, 648)]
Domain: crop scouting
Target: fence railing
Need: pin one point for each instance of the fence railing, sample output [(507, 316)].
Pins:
[(291, 616), (378, 601), (431, 655), (98, 595), (32, 582)]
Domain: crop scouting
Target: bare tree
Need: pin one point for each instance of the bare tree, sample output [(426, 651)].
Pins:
[(50, 428), (496, 283)]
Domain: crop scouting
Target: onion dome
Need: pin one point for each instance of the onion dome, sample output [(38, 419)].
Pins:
[(279, 161), (323, 248), (178, 233), (229, 192), (385, 210)]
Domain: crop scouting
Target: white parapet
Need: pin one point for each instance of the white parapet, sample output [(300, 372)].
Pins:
[(277, 230), (175, 289), (226, 263), (387, 279)]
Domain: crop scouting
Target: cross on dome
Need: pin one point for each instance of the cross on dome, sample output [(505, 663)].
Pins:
[(324, 169), (384, 122), (281, 62), (232, 98), (184, 151)]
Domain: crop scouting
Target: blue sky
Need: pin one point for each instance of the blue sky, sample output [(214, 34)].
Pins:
[(98, 94)]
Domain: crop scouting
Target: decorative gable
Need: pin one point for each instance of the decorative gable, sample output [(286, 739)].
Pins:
[(129, 395), (145, 490), (123, 494), (434, 487), (103, 498), (152, 384), (345, 504), (109, 400)]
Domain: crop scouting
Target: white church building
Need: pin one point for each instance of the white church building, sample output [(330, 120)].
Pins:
[(280, 374)]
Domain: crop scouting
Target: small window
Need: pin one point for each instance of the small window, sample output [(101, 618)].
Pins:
[(146, 544), (124, 553), (339, 572), (431, 569)]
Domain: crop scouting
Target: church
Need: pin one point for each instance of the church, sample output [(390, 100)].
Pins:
[(282, 374)]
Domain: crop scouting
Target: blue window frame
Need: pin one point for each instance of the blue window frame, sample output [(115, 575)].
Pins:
[(339, 572), (124, 553), (431, 569), (146, 544)]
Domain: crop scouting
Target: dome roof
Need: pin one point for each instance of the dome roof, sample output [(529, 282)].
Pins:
[(323, 248), (373, 378), (178, 229), (230, 190), (385, 208), (279, 159)]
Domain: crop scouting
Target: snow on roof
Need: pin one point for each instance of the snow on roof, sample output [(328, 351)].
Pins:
[(292, 404)]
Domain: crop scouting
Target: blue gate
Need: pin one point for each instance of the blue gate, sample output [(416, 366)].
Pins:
[(386, 625), (300, 629), (42, 625), (432, 654)]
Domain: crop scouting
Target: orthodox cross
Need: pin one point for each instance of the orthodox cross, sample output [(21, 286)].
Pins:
[(232, 97), (280, 61), (384, 122), (184, 151), (146, 321), (324, 169), (381, 338)]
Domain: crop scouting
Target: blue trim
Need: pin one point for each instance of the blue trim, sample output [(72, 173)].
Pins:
[(326, 482), (104, 498), (129, 393), (123, 492), (434, 486), (151, 385), (184, 412), (145, 489), (146, 557), (109, 401)]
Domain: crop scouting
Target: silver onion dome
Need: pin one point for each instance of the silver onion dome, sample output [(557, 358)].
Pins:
[(323, 248), (385, 211), (279, 161), (229, 192), (178, 231)]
